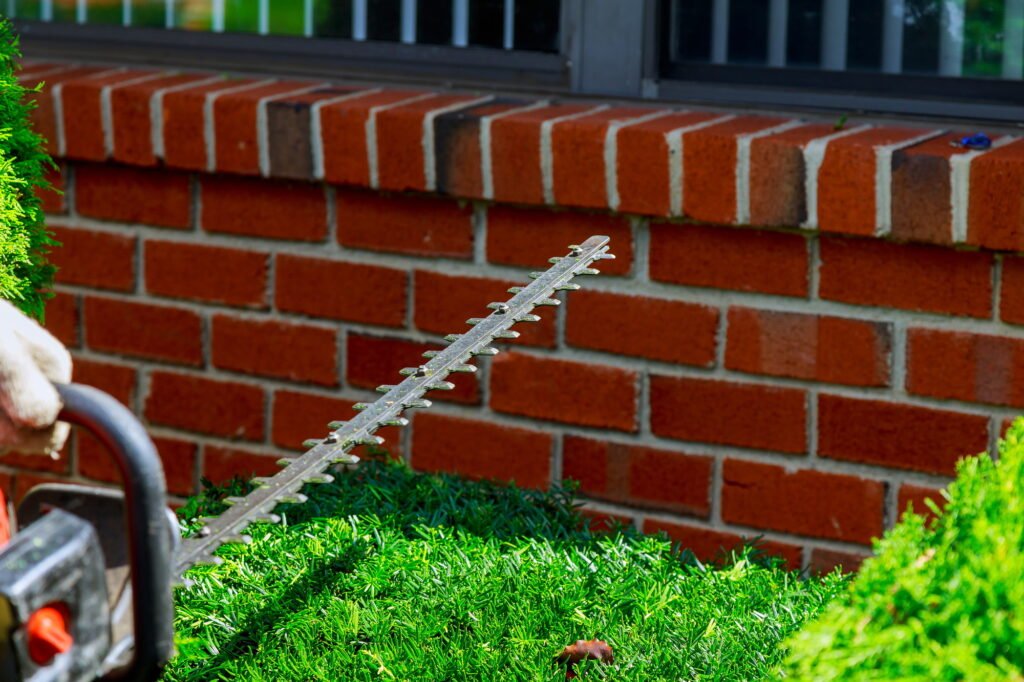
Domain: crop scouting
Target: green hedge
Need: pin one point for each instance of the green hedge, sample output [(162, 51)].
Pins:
[(940, 601), (25, 275)]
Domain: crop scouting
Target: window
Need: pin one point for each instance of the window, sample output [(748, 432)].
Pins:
[(964, 56)]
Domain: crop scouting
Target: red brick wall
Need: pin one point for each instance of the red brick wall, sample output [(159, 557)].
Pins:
[(804, 328)]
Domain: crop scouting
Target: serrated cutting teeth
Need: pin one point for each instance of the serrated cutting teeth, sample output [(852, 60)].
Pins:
[(441, 386), (238, 540), (312, 465), (556, 259), (284, 461), (606, 256), (260, 481), (312, 442), (396, 421)]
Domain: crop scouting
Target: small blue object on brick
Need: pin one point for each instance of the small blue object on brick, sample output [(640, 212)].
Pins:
[(976, 141)]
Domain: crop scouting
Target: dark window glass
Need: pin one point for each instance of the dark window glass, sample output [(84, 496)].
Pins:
[(384, 20), (64, 10), (693, 30), (332, 19), (921, 36), (864, 39), (803, 33), (536, 25), (983, 38), (434, 22), (286, 17), (748, 31), (26, 9), (486, 23)]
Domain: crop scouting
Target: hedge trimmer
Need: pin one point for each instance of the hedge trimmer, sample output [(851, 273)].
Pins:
[(85, 586)]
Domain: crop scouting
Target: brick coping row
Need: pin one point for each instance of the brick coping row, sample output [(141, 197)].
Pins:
[(900, 183)]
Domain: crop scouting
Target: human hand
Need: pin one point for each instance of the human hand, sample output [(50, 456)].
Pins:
[(31, 359)]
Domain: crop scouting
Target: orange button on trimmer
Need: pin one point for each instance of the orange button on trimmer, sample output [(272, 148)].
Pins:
[(48, 634)]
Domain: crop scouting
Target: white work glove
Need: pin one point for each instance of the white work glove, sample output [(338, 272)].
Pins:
[(30, 360)]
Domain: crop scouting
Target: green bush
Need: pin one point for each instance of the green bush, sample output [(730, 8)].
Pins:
[(940, 601), (25, 276), (386, 574)]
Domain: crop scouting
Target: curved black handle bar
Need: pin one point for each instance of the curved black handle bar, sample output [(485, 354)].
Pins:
[(149, 546)]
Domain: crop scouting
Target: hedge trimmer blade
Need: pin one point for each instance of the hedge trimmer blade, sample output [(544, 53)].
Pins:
[(311, 466)]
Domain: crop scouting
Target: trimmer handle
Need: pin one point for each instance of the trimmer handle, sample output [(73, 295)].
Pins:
[(149, 546)]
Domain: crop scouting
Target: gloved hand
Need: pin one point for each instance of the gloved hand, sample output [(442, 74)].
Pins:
[(30, 359)]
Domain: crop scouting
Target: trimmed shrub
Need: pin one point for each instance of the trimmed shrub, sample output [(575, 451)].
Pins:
[(25, 276), (941, 600)]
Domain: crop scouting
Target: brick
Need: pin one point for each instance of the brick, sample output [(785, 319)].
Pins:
[(264, 208), (1011, 302), (354, 292), (184, 123), (443, 443), (300, 416), (143, 331), (910, 277), (134, 195), (236, 143), (529, 237), (44, 114), (658, 329), (53, 199), (639, 475), (178, 458), (457, 155), (778, 175), (815, 347), (915, 496), (373, 361), (84, 135), (578, 156), (897, 436), (977, 368), (94, 259), (131, 117), (714, 546), (212, 274), (728, 413), (825, 561), (846, 179), (416, 225), (36, 462), (709, 167), (217, 408), (221, 464), (566, 392), (296, 352), (811, 503), (343, 126), (729, 258), (289, 132), (922, 207), (995, 214), (401, 132), (62, 318), (443, 303), (515, 152), (643, 160), (117, 380)]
